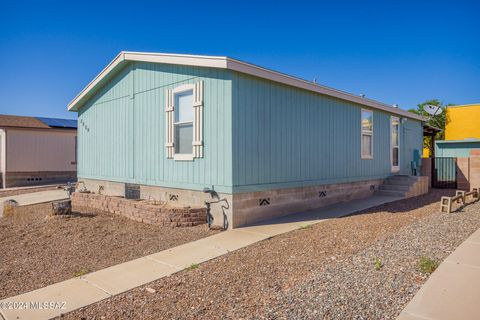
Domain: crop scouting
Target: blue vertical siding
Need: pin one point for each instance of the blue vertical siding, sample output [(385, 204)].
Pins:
[(122, 128), (288, 137), (411, 137), (258, 134)]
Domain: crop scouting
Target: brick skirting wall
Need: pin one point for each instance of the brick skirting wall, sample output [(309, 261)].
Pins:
[(142, 211)]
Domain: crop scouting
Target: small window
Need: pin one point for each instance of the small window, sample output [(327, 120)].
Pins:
[(395, 143), (183, 124), (367, 134)]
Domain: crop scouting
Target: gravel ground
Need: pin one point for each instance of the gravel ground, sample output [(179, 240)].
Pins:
[(37, 252), (354, 289), (294, 275)]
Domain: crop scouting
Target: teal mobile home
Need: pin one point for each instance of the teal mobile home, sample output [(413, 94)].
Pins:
[(265, 142)]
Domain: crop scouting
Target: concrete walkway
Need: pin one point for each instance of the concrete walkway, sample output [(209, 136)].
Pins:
[(42, 186), (453, 290), (75, 293), (35, 198)]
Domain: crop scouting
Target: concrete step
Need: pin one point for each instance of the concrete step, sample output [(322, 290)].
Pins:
[(390, 193), (399, 182), (403, 178), (394, 187)]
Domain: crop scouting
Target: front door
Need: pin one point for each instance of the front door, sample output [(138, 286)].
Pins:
[(395, 144)]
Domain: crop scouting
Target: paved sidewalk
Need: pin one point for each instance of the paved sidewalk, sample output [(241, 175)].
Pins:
[(453, 290), (35, 198), (42, 186), (99, 285)]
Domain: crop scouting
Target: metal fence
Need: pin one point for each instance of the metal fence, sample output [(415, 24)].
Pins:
[(444, 172)]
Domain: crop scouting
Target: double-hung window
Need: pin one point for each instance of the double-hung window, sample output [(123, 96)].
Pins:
[(395, 143), (367, 134), (183, 123)]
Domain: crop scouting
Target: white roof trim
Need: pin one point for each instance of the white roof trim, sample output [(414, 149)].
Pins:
[(230, 64)]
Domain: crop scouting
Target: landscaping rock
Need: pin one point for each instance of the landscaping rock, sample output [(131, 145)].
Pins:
[(37, 252), (9, 207), (293, 276), (150, 290), (63, 207)]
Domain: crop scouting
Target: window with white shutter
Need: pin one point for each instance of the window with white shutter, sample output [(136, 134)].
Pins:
[(198, 124), (184, 121), (367, 134)]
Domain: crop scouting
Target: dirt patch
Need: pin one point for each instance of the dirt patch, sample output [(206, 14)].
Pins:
[(254, 281), (37, 252)]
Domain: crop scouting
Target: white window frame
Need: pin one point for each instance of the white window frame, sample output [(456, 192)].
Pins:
[(177, 90), (365, 132), (395, 169)]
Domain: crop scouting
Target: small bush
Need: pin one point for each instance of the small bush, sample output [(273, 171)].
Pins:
[(378, 264), (80, 273), (307, 226), (428, 265), (193, 266)]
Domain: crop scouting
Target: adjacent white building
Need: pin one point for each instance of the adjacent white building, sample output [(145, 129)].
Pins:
[(36, 151)]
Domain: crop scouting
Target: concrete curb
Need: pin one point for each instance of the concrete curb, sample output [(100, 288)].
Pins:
[(38, 197), (451, 291)]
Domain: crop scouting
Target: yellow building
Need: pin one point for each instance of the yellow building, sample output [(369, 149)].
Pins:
[(463, 122)]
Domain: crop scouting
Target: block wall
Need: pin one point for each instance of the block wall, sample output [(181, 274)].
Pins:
[(141, 211)]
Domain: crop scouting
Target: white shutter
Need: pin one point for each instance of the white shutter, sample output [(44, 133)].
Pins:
[(198, 121), (169, 114)]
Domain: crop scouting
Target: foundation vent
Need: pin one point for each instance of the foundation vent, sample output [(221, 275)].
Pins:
[(264, 202), (132, 191)]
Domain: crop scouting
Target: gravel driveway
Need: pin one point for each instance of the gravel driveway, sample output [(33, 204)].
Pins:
[(323, 271), (36, 252)]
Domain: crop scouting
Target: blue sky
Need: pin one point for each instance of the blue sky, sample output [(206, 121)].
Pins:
[(402, 52)]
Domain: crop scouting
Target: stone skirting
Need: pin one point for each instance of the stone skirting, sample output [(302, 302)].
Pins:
[(141, 210), (240, 209), (252, 207), (220, 212)]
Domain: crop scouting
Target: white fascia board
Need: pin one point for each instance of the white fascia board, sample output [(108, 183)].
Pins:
[(235, 65), (73, 105), (179, 59)]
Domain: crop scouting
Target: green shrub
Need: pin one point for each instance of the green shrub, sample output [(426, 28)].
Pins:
[(306, 226), (193, 266), (378, 264), (80, 273), (428, 265)]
